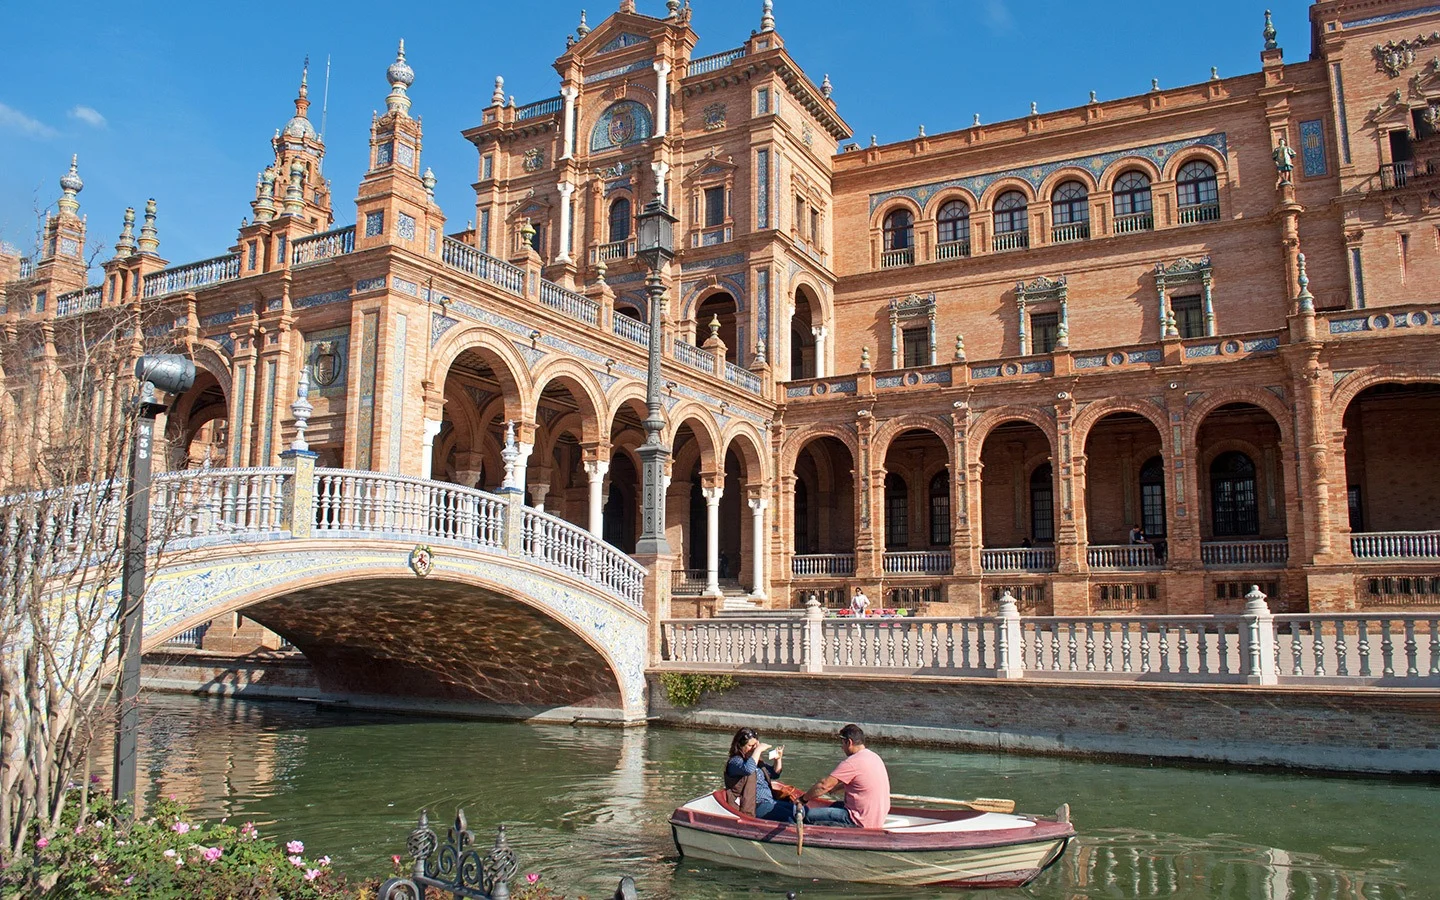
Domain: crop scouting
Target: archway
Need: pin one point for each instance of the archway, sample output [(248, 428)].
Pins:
[(719, 308), (1240, 467), (804, 362), (1017, 499), (915, 519), (823, 507), (1392, 458), (197, 425), (620, 489), (480, 392), (1125, 490), (566, 420)]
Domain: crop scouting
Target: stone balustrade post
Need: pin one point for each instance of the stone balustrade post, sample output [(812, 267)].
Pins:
[(1259, 639), (514, 520), (1009, 647), (814, 661), (297, 511)]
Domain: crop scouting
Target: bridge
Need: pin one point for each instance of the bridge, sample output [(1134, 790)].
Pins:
[(395, 587)]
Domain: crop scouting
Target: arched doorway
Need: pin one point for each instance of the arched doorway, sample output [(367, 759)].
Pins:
[(804, 361), (1241, 468), (1017, 499), (719, 308), (1392, 458), (1124, 490)]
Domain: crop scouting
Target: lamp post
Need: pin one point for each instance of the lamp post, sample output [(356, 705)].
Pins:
[(173, 374), (655, 244)]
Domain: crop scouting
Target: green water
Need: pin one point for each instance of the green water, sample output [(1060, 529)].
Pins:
[(587, 805)]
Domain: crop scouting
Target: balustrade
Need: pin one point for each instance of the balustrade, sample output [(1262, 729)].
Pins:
[(924, 562), (1074, 231), (1017, 559), (559, 544), (1372, 646), (822, 564), (1244, 553), (192, 275), (742, 378), (547, 107), (614, 250), (768, 643), (1396, 545), (196, 503), (694, 357), (687, 582), (1201, 212), (1010, 240), (350, 500), (467, 259), (716, 61), (325, 245), (1134, 222), (955, 646), (632, 330), (576, 306), (1122, 556), (81, 301), (952, 250), (1207, 647), (889, 259)]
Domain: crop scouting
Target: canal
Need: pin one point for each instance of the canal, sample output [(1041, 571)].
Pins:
[(586, 805)]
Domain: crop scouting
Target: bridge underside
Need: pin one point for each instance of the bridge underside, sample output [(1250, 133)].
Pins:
[(445, 646)]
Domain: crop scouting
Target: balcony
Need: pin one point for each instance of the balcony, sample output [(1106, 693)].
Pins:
[(1396, 545), (1122, 557), (822, 564), (613, 251), (1241, 554), (1017, 559), (923, 562), (952, 250), (1134, 223), (891, 259), (1070, 233), (1200, 212), (632, 330), (1396, 175), (1010, 240)]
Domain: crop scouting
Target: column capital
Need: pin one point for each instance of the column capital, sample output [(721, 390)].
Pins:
[(566, 188), (596, 468), (569, 92), (712, 494), (758, 504)]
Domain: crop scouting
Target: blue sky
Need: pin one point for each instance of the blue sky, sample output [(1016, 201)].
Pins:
[(178, 101)]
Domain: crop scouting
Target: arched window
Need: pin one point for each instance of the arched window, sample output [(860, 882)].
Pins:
[(1152, 497), (1196, 186), (897, 512), (802, 517), (940, 508), (1132, 194), (899, 230), (1042, 504), (619, 220), (1010, 212), (954, 221), (1070, 204), (1233, 509)]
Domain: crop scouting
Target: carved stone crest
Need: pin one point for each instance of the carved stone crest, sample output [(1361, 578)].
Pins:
[(326, 364), (422, 560), (715, 117), (1393, 57), (534, 160)]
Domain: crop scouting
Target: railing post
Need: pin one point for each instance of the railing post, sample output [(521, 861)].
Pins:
[(1009, 655), (514, 521), (1260, 638), (814, 661), (297, 511)]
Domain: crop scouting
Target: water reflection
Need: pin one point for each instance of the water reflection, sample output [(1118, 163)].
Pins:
[(586, 805)]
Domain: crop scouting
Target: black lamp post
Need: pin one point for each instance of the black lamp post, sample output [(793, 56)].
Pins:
[(655, 244), (173, 374)]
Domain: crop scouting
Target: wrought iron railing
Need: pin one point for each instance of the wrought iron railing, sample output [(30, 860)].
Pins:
[(325, 245), (1402, 174), (923, 562), (1244, 553), (1396, 545), (467, 259), (632, 330), (1017, 559), (576, 306), (716, 61), (192, 275)]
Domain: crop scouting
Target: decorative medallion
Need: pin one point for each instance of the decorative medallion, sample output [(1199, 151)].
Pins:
[(622, 127), (1393, 57), (534, 160), (422, 560), (715, 117), (807, 137), (326, 364)]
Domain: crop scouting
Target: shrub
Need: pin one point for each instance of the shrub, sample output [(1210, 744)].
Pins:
[(684, 689)]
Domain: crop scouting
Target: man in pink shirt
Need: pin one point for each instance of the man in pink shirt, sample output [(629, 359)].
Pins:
[(867, 786)]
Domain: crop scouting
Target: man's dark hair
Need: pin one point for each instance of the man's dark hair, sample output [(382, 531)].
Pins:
[(853, 733)]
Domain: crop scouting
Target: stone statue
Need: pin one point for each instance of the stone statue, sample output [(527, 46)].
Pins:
[(1284, 160)]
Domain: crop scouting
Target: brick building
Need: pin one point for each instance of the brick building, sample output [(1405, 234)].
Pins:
[(1135, 355)]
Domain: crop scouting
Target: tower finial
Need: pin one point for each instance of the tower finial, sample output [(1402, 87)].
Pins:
[(149, 235), (583, 28), (70, 185), (767, 16), (1305, 300), (1269, 33), (826, 88), (126, 245), (401, 76), (672, 8), (497, 97)]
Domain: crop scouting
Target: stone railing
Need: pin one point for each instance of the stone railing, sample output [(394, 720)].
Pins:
[(716, 61), (1122, 556), (569, 303), (352, 500), (81, 301), (822, 564), (922, 562), (694, 357), (558, 544), (1244, 553), (1255, 647), (1068, 233), (632, 330), (325, 245), (208, 502), (1010, 240), (547, 107), (890, 259), (744, 379), (952, 250), (1017, 559), (1130, 224), (1200, 212), (613, 251), (192, 275), (1396, 545), (467, 259)]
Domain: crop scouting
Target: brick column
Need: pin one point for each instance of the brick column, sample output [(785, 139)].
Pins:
[(866, 564)]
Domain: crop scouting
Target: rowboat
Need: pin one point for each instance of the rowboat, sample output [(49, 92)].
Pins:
[(953, 848)]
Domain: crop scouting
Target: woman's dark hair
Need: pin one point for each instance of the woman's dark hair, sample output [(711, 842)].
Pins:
[(742, 737)]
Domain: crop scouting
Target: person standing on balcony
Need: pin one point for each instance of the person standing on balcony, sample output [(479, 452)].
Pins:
[(859, 603), (1137, 535)]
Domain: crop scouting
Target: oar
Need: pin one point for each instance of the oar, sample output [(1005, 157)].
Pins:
[(983, 804), (799, 828)]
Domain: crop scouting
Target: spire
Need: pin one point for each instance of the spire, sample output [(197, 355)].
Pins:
[(70, 185), (1305, 300), (401, 76), (497, 97), (1269, 33), (126, 245), (299, 125), (582, 29), (767, 16), (149, 237)]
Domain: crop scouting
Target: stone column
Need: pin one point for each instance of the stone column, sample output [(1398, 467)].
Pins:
[(569, 93), (566, 188), (662, 99), (427, 447), (712, 495), (757, 546), (538, 492), (595, 471), (820, 332)]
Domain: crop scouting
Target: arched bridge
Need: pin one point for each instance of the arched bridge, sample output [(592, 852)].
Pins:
[(515, 611)]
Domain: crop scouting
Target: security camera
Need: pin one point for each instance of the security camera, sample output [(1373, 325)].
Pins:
[(168, 372)]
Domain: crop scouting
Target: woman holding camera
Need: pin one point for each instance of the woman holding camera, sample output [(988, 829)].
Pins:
[(749, 781)]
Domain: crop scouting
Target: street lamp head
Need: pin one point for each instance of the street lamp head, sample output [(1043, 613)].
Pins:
[(655, 234), (169, 372)]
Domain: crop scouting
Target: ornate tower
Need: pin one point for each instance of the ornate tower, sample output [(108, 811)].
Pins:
[(61, 266)]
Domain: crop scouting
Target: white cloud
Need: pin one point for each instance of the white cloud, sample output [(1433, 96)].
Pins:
[(997, 15), (13, 120), (89, 115)]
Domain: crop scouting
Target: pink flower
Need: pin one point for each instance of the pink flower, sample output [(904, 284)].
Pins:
[(42, 843), (296, 861), (169, 854), (212, 853), (249, 830), (395, 859), (324, 861), (532, 877), (129, 880), (79, 829), (295, 847), (312, 874), (181, 828)]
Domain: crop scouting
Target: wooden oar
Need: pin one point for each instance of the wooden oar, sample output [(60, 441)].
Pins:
[(983, 804), (799, 829)]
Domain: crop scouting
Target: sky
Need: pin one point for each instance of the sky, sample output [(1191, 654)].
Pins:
[(178, 100)]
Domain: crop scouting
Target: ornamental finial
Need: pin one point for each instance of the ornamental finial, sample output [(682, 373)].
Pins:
[(1269, 33), (149, 235), (428, 179), (583, 28), (826, 88), (126, 245), (767, 16), (497, 97), (672, 8), (70, 185), (301, 409), (400, 76), (1305, 300), (959, 348)]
